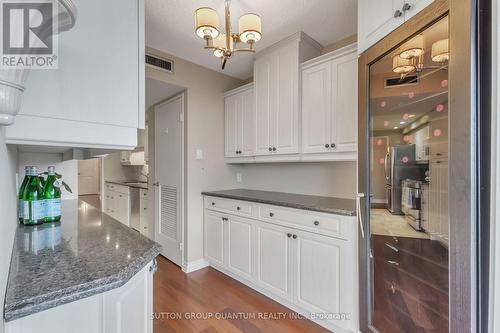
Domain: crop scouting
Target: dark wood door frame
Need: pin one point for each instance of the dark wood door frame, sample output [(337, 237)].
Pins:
[(463, 152)]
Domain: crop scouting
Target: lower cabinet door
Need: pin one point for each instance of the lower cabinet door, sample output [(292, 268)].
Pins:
[(320, 284), (239, 242), (214, 238), (273, 257)]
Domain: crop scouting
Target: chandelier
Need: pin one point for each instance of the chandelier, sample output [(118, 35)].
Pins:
[(223, 44), (411, 59)]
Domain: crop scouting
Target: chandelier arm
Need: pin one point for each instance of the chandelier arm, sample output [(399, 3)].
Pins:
[(228, 25), (243, 50)]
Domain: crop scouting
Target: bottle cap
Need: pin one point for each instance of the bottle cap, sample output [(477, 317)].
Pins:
[(52, 170)]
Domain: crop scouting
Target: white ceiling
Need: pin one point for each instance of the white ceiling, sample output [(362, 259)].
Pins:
[(170, 26), (157, 91)]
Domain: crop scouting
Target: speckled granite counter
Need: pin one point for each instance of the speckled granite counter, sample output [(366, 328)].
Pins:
[(130, 183), (87, 253), (308, 202)]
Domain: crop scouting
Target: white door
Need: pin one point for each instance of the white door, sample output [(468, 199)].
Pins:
[(345, 104), (239, 242), (316, 108), (377, 19), (89, 176), (169, 177), (319, 265), (285, 114), (214, 238), (231, 125), (263, 70), (246, 121), (273, 259)]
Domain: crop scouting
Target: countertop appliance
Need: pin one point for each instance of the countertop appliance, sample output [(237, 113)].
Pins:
[(411, 202), (400, 164)]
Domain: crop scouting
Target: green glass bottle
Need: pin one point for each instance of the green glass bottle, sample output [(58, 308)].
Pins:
[(52, 196), (34, 204), (20, 208)]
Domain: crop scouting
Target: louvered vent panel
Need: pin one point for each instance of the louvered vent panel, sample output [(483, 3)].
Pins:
[(160, 63), (168, 218)]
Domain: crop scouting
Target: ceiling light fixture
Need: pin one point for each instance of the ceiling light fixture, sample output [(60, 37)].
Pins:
[(414, 48), (402, 66), (223, 44), (440, 51)]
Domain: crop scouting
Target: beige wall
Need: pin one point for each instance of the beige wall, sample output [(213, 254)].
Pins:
[(8, 207), (337, 179), (204, 130)]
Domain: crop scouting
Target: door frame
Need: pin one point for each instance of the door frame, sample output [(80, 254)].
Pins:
[(156, 217), (464, 231)]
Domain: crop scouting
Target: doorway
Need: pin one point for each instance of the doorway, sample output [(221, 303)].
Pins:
[(169, 177)]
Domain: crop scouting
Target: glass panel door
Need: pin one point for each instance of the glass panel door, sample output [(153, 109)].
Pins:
[(409, 219)]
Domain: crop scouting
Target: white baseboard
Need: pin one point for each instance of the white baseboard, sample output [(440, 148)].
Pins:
[(195, 265)]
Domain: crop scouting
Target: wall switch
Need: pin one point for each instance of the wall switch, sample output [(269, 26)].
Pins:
[(239, 177), (199, 154)]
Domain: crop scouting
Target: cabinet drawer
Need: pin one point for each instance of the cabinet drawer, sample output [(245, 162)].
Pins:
[(328, 224), (229, 206)]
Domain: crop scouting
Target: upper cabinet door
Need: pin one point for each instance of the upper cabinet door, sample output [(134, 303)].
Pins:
[(345, 104), (263, 69), (376, 19), (285, 115), (96, 96), (316, 108), (414, 6), (247, 121), (231, 125)]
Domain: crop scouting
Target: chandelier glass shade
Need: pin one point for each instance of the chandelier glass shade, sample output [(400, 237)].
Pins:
[(440, 51), (224, 44)]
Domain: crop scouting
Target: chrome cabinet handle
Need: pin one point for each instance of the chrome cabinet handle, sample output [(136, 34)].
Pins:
[(327, 146), (358, 213), (392, 262), (271, 214), (288, 235), (406, 7), (238, 208), (398, 13), (333, 145), (316, 222), (294, 236), (395, 249)]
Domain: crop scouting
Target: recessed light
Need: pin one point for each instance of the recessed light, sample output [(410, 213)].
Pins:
[(401, 122), (395, 127), (411, 116)]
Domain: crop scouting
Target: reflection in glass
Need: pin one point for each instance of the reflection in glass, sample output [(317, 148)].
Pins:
[(409, 184)]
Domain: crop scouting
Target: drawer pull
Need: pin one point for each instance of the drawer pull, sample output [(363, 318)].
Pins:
[(395, 249), (392, 262), (289, 235), (213, 203), (316, 223), (238, 208), (294, 236), (271, 214)]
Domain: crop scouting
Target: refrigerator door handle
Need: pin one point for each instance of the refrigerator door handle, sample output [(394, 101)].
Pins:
[(386, 167), (358, 213)]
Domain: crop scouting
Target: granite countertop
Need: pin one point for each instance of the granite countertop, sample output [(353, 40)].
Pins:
[(331, 205), (130, 183), (85, 254)]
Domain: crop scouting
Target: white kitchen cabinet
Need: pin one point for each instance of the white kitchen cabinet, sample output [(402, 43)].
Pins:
[(126, 309), (273, 259), (133, 158), (376, 19), (421, 139), (276, 75), (117, 204), (144, 215), (95, 98), (214, 238), (302, 259), (329, 104), (438, 224), (239, 122)]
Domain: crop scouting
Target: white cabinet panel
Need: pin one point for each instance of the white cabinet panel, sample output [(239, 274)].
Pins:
[(345, 103), (264, 89), (214, 238), (240, 240), (273, 259), (239, 122), (247, 122), (231, 125), (96, 96), (316, 108)]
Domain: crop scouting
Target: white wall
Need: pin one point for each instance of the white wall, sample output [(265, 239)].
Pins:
[(204, 130), (68, 169), (8, 207), (113, 170), (337, 179)]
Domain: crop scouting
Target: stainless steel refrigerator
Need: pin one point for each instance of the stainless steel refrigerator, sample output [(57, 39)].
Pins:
[(399, 165)]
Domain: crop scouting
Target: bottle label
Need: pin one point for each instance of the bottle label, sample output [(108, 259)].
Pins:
[(34, 210), (20, 210), (53, 207)]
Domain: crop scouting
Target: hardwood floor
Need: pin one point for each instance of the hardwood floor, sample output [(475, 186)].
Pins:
[(224, 304)]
